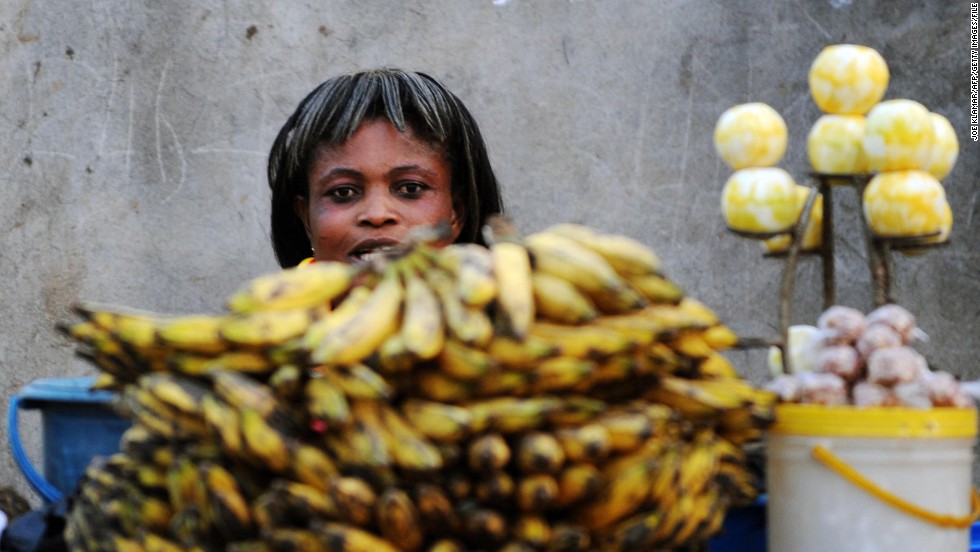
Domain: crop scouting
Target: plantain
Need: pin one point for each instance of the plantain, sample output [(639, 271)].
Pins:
[(557, 300), (399, 520), (515, 290), (301, 287)]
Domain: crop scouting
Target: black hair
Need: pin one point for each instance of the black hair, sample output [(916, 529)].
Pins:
[(334, 110)]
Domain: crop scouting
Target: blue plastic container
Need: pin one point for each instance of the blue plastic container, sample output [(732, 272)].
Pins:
[(744, 530), (77, 425)]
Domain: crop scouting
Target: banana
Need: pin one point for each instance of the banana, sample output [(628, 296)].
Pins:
[(533, 530), (720, 337), (483, 526), (435, 508), (437, 386), (266, 328), (512, 414), (224, 421), (523, 354), (488, 453), (626, 255), (537, 452), (263, 442), (627, 489), (438, 421), (349, 538), (469, 324), (399, 520), (499, 382), (715, 365), (229, 511), (349, 307), (180, 393), (536, 492), (569, 537), (472, 266), (312, 466), (245, 361), (358, 381), (326, 401), (287, 382), (362, 443), (422, 326), (588, 341), (635, 532), (515, 290), (196, 333), (355, 340), (590, 442), (588, 271), (293, 288), (557, 300), (699, 463), (392, 356), (663, 490), (355, 499), (186, 488), (445, 545), (578, 483), (153, 542), (295, 540), (243, 391), (560, 373), (627, 430), (656, 289), (463, 362), (691, 345), (410, 448)]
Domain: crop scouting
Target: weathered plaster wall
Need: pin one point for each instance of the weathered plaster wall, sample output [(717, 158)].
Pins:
[(134, 140)]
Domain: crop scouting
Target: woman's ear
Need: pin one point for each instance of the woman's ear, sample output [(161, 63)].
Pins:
[(456, 223)]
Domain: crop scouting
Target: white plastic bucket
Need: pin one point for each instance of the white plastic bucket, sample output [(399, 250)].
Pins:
[(870, 479)]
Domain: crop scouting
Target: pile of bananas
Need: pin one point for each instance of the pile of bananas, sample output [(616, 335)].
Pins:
[(554, 391)]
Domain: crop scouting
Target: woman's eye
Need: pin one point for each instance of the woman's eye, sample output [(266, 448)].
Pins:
[(342, 193), (411, 188)]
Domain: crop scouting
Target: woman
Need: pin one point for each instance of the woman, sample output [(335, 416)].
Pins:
[(368, 156)]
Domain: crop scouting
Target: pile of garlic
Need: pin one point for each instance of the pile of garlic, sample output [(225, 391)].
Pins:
[(850, 358)]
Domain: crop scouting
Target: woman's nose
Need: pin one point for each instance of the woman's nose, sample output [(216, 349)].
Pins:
[(378, 210)]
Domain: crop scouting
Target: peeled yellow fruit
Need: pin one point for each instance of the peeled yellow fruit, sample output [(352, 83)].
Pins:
[(945, 147), (812, 235), (898, 135), (750, 135), (834, 144), (848, 79), (760, 200), (907, 204)]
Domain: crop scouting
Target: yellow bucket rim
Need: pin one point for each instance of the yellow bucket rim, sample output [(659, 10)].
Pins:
[(883, 422)]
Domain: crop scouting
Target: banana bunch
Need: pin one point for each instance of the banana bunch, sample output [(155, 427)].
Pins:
[(553, 391)]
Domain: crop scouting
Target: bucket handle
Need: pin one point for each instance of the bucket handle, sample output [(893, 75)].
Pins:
[(47, 491), (845, 470)]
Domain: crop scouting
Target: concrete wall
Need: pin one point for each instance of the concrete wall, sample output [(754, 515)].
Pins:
[(135, 134)]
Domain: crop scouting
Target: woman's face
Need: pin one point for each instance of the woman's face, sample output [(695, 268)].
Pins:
[(366, 194)]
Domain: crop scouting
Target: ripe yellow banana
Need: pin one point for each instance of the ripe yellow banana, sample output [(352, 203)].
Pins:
[(587, 341), (495, 488), (463, 362), (557, 300), (539, 451), (198, 333), (399, 520), (524, 353), (264, 443), (626, 255), (410, 449), (435, 508), (438, 421), (472, 266), (532, 530), (378, 318), (357, 381), (266, 328), (228, 510), (512, 414), (536, 492), (627, 489), (560, 373), (300, 287), (466, 323), (422, 326), (312, 466), (223, 420), (355, 499), (488, 453), (578, 483), (656, 289), (590, 442), (515, 291), (326, 401), (181, 393)]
